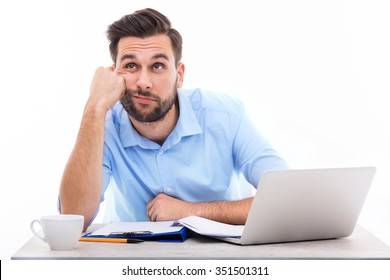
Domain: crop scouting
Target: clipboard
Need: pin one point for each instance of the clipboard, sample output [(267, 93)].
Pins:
[(147, 231)]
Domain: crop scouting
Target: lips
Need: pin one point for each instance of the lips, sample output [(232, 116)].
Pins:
[(143, 99)]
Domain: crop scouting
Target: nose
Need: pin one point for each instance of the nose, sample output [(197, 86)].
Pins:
[(143, 80)]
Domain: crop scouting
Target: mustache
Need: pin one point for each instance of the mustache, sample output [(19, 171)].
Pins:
[(140, 92)]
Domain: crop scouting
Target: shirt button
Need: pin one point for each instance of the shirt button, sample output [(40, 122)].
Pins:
[(169, 189), (161, 152)]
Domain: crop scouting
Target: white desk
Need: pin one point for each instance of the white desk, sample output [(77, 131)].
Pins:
[(360, 245)]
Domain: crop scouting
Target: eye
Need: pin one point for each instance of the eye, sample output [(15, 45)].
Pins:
[(158, 66), (130, 66)]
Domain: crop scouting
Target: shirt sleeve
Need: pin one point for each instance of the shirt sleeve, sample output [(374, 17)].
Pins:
[(253, 153)]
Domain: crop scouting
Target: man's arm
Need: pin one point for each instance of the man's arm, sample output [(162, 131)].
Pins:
[(81, 183), (164, 207)]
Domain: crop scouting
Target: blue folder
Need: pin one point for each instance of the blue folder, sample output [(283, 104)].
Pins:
[(176, 236)]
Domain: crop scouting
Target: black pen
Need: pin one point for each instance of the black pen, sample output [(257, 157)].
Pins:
[(131, 233)]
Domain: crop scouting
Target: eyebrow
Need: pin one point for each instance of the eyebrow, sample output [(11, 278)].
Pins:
[(126, 56), (133, 56), (160, 55)]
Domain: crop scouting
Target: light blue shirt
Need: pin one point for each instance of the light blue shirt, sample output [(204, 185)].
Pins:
[(212, 142)]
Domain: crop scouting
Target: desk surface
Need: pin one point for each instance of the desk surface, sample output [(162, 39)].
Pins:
[(360, 245)]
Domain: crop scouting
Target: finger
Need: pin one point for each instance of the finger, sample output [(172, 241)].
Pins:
[(152, 215), (110, 68), (149, 213), (150, 209), (150, 205)]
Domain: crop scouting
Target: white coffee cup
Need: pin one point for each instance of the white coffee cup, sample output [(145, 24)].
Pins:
[(61, 232)]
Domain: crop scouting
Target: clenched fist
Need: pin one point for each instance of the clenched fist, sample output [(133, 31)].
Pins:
[(107, 88)]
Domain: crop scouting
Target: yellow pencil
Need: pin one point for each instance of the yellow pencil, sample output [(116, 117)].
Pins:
[(113, 240)]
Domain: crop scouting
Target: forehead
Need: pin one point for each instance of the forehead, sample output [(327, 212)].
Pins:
[(144, 47)]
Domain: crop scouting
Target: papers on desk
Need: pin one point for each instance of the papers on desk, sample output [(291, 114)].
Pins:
[(149, 231), (154, 227), (211, 228), (176, 231)]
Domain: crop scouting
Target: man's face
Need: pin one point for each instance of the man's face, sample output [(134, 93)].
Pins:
[(152, 78)]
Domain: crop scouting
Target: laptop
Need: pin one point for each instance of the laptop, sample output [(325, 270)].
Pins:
[(307, 204)]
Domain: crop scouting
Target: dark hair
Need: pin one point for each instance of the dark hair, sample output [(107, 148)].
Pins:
[(143, 23)]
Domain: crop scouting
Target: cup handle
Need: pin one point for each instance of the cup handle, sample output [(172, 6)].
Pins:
[(35, 232)]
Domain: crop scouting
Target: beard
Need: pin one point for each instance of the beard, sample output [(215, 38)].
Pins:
[(148, 112)]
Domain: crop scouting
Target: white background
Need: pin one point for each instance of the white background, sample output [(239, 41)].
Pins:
[(314, 76)]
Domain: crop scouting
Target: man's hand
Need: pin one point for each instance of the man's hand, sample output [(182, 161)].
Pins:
[(165, 208), (107, 88)]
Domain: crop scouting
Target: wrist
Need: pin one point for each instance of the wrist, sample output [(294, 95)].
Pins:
[(95, 110), (197, 210)]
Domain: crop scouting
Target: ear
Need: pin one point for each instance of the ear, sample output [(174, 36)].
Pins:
[(180, 74)]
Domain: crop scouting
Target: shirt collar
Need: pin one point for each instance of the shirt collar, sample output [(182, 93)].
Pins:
[(186, 125)]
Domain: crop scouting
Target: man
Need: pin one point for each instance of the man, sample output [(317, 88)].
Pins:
[(164, 152)]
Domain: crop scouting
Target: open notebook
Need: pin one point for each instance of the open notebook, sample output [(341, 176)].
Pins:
[(289, 205)]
